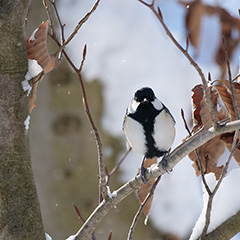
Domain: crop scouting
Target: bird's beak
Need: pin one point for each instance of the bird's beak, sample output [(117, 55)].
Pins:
[(145, 100)]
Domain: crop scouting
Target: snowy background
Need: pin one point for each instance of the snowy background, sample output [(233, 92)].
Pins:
[(128, 49)]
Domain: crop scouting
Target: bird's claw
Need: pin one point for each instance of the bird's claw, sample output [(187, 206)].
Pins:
[(143, 175), (164, 163)]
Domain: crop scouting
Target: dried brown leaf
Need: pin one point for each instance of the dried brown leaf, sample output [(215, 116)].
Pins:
[(223, 89), (229, 27), (205, 114), (196, 107), (195, 12), (37, 48), (144, 190), (34, 91), (210, 153), (227, 138)]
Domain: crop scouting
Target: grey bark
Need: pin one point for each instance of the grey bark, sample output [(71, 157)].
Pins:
[(20, 216)]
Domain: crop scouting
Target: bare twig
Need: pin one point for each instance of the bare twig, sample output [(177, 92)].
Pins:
[(79, 25), (202, 172), (230, 80), (114, 170), (102, 180), (137, 216), (185, 123), (59, 22), (195, 65), (197, 154), (78, 213)]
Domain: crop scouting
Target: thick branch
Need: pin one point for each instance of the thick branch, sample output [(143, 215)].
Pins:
[(226, 230), (176, 156)]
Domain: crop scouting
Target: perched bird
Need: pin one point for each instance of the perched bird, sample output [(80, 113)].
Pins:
[(149, 126)]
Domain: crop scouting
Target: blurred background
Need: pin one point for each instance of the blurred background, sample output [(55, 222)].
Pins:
[(127, 49)]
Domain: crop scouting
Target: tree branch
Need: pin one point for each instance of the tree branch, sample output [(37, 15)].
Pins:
[(226, 230), (176, 156)]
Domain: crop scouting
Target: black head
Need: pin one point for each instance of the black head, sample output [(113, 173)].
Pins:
[(144, 94)]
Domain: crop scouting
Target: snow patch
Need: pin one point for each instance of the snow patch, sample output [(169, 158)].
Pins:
[(72, 237), (27, 123), (111, 195), (33, 70), (48, 237), (32, 37), (226, 202)]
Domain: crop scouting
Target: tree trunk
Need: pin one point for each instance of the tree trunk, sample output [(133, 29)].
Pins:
[(20, 216)]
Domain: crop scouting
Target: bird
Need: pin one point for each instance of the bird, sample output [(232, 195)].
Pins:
[(149, 126)]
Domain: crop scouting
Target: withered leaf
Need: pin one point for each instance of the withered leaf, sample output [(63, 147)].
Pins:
[(193, 18), (223, 88), (196, 105), (228, 140), (230, 29), (145, 188), (210, 153), (37, 48)]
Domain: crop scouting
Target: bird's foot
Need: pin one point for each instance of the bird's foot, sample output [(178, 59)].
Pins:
[(143, 175), (164, 163)]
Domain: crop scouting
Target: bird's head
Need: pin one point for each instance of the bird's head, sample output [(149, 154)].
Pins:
[(144, 95)]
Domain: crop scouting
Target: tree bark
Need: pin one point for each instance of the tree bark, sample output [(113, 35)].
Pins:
[(20, 216)]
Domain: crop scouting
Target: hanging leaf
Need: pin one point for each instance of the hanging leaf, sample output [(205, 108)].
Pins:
[(228, 140), (37, 51), (223, 88), (145, 188), (230, 29), (195, 11), (37, 48), (196, 105), (210, 153)]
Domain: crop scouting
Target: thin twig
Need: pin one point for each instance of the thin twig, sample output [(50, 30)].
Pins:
[(197, 154), (137, 216), (81, 218), (195, 65), (230, 80), (78, 213), (59, 22), (79, 25), (113, 171), (102, 179), (185, 123), (202, 172)]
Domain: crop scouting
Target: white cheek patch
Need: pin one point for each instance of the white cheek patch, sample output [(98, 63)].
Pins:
[(157, 104), (133, 106)]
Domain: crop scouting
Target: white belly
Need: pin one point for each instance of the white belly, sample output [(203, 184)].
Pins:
[(135, 135), (164, 131)]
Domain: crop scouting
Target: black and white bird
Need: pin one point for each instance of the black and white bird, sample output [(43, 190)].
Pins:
[(149, 126)]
